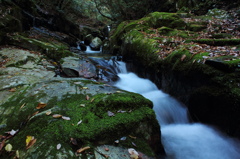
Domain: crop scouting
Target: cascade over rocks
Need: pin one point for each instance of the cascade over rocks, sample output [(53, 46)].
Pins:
[(184, 59)]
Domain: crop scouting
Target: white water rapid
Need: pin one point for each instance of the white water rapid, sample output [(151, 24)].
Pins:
[(181, 140)]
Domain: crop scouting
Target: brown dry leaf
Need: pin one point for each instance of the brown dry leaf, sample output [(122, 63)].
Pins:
[(41, 105), (57, 115), (2, 144), (183, 57), (83, 149), (87, 97), (35, 113), (12, 90), (31, 143), (133, 137)]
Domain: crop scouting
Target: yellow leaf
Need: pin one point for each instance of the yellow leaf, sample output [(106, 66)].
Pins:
[(8, 147), (28, 139)]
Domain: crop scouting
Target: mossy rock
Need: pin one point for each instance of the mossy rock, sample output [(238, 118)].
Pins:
[(221, 36), (53, 50), (141, 49), (171, 20), (90, 123)]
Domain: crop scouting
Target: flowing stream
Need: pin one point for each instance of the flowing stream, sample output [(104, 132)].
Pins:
[(181, 139)]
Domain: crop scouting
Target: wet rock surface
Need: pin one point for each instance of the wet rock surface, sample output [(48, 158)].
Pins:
[(56, 109)]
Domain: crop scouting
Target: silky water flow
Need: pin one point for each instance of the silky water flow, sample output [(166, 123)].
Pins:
[(181, 139)]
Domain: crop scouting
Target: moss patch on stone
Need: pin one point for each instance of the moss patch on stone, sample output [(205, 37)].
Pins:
[(53, 50), (131, 113), (216, 42)]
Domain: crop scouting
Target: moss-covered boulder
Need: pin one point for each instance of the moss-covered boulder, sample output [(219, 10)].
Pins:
[(52, 49), (88, 119)]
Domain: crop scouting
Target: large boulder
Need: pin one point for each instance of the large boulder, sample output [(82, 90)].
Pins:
[(96, 44)]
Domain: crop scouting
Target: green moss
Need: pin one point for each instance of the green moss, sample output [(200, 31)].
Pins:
[(196, 27), (96, 126), (160, 19), (217, 42), (53, 50), (144, 49)]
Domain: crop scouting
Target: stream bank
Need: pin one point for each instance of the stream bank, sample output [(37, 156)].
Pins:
[(176, 51)]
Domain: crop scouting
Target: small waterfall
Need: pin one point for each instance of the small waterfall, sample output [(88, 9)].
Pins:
[(181, 140)]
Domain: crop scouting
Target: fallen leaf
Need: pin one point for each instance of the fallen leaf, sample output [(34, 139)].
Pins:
[(8, 147), (41, 105), (183, 57), (110, 113), (92, 100), (2, 144), (31, 143), (22, 105), (77, 82), (57, 115), (83, 149), (17, 154), (121, 111), (134, 156), (87, 97), (106, 149), (123, 138), (48, 113), (73, 141), (35, 113), (134, 144), (12, 90), (133, 137), (84, 87), (116, 141), (13, 132), (82, 105), (59, 146), (66, 118), (79, 122), (28, 139), (132, 151)]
